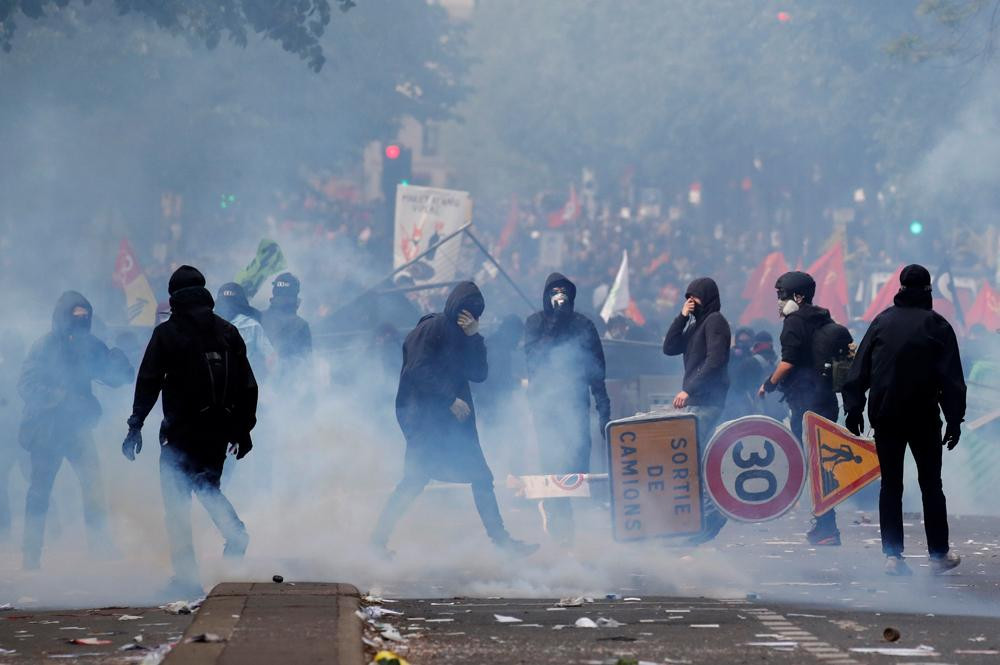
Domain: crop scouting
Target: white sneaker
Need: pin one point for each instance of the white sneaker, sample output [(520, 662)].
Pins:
[(897, 567), (945, 563)]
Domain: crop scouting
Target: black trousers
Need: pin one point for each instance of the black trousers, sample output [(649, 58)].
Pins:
[(410, 487), (825, 405), (925, 444)]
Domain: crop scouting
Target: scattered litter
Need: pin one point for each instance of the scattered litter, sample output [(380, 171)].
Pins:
[(128, 617), (632, 599), (677, 611), (389, 658), (506, 619), (808, 616), (277, 579), (922, 650), (978, 652), (704, 625), (454, 634), (62, 628), (377, 613), (559, 627), (207, 638), (612, 596), (981, 638), (571, 602), (181, 607), (6, 607), (776, 645), (555, 609), (529, 625), (133, 646), (890, 634), (90, 641), (372, 599), (442, 604), (72, 656), (608, 623), (584, 622), (442, 620), (7, 652), (391, 634)]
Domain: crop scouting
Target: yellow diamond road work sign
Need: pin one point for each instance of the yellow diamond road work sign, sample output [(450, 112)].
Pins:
[(655, 478), (840, 463)]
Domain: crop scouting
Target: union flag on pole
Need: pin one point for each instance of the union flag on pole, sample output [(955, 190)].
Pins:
[(569, 212), (831, 282), (760, 289), (140, 302), (883, 299), (986, 309)]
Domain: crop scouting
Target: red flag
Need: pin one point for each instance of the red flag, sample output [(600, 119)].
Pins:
[(510, 227), (831, 283), (760, 289), (883, 299), (986, 309), (569, 212)]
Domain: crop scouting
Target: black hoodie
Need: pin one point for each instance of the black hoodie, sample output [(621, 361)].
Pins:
[(58, 373), (704, 344), (909, 361), (439, 361), (199, 415)]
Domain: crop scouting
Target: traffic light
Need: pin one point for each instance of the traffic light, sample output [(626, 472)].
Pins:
[(397, 169), (916, 227)]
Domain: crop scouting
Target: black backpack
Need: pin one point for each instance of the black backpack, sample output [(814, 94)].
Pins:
[(833, 352)]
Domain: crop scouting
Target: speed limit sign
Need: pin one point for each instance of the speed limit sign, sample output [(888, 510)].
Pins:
[(754, 469)]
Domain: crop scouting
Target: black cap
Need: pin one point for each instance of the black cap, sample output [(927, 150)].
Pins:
[(915, 276), (286, 284), (796, 283), (185, 277)]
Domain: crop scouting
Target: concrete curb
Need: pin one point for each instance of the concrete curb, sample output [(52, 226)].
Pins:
[(275, 623)]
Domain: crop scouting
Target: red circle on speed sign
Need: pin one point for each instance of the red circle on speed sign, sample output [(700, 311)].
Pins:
[(754, 469)]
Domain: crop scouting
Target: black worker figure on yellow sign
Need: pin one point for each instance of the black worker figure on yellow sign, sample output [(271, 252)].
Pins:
[(829, 458), (434, 408)]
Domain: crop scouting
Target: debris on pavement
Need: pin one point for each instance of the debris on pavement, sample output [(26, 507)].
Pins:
[(182, 606), (277, 579), (922, 650), (6, 607), (7, 652), (501, 618), (129, 617), (571, 602), (608, 623), (376, 613), (90, 641), (207, 638), (890, 634), (584, 622)]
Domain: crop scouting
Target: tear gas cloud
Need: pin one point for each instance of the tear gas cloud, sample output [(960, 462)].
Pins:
[(114, 129)]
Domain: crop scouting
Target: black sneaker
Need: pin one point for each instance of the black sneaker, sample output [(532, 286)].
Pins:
[(823, 536), (516, 548)]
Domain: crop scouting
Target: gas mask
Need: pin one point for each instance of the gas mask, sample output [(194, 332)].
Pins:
[(560, 302), (787, 307)]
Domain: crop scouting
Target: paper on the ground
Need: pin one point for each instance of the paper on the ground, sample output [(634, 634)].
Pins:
[(501, 618), (584, 622), (922, 650)]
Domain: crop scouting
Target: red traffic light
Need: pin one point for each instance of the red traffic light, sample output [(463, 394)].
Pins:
[(784, 17), (392, 151)]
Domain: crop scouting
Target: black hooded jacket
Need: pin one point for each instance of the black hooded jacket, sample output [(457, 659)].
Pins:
[(182, 360), (565, 362), (439, 361), (57, 376), (910, 364), (804, 382), (289, 333), (705, 346)]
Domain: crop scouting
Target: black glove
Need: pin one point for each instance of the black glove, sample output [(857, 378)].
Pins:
[(855, 423), (133, 443), (241, 447), (952, 433)]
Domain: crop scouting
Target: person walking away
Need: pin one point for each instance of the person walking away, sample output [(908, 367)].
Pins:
[(434, 408), (810, 339), (702, 335), (565, 363), (60, 413), (198, 361), (909, 364)]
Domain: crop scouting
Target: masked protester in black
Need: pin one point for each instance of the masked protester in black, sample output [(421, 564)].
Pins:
[(910, 364), (745, 375), (804, 388), (441, 355), (565, 361), (199, 362), (60, 411), (701, 333), (288, 332)]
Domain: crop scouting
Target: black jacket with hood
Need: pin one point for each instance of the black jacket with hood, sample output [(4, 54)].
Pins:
[(57, 375), (804, 384), (910, 364), (565, 362), (703, 339), (188, 357), (439, 361)]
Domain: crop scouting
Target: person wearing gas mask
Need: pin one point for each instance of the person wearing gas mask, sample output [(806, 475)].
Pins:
[(702, 334), (798, 375), (909, 364), (60, 412), (199, 362), (745, 375), (287, 331), (231, 304), (434, 408), (565, 362)]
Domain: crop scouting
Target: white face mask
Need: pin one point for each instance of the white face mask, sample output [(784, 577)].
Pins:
[(786, 307), (559, 300)]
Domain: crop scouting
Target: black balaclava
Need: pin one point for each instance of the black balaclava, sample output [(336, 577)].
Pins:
[(285, 292), (63, 321), (743, 340), (232, 300), (467, 296), (914, 288)]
